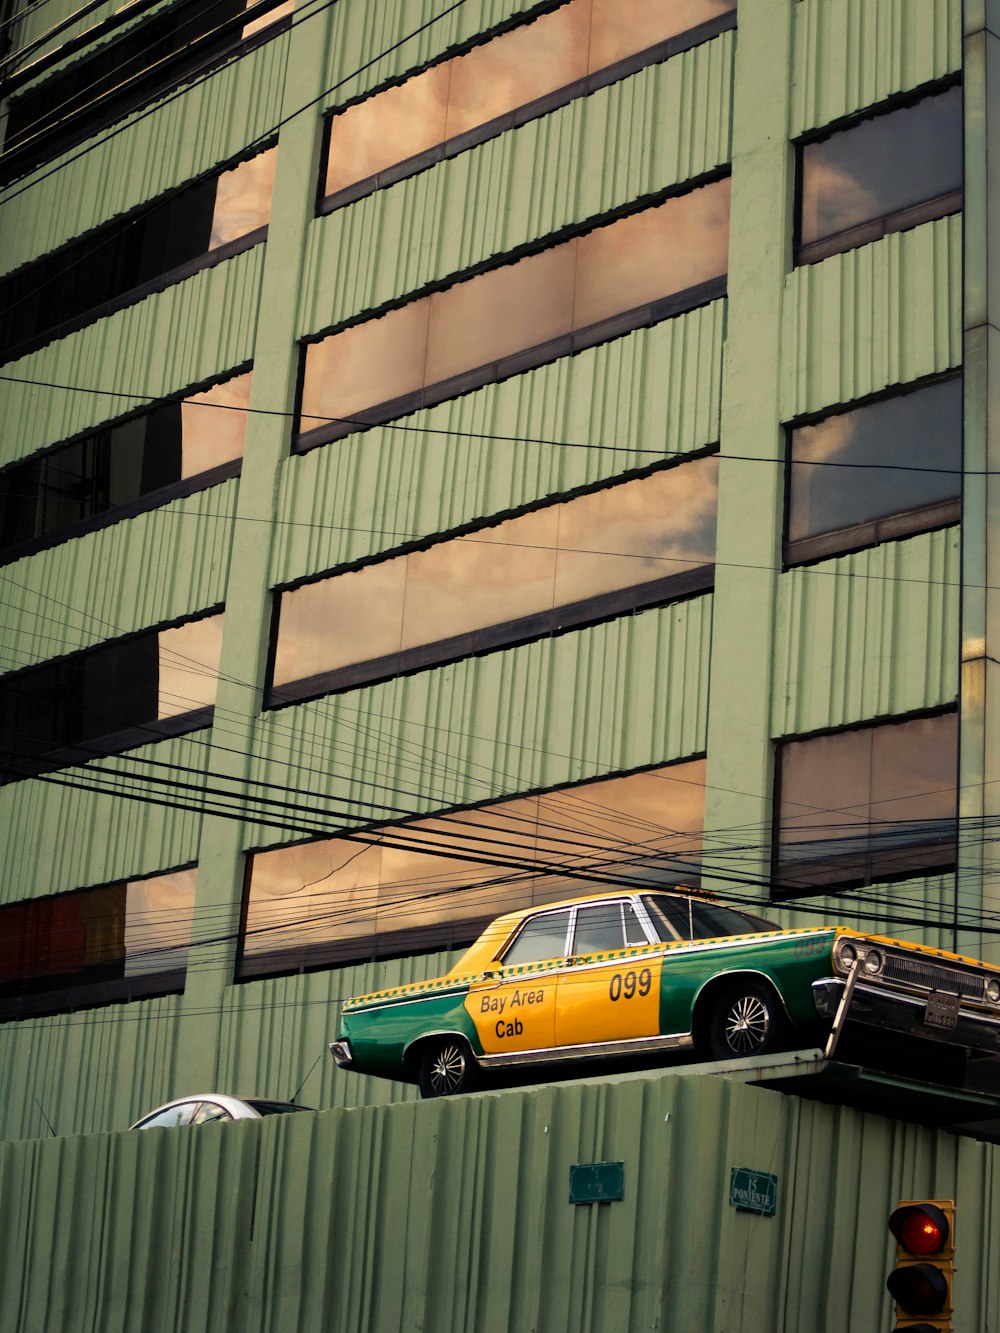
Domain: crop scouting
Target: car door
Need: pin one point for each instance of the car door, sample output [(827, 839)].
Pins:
[(514, 1009), (608, 991)]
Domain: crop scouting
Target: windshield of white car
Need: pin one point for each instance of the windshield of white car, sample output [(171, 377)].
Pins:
[(696, 919)]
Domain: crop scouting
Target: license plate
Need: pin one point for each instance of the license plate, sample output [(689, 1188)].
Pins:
[(942, 1010)]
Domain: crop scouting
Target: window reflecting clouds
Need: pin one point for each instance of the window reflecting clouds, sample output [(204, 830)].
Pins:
[(278, 11), (334, 900), (480, 89), (188, 666), (847, 506), (868, 804), (879, 169), (638, 532), (243, 199), (470, 328)]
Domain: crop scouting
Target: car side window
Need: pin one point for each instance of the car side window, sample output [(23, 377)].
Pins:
[(207, 1112), (540, 937), (599, 929), (634, 930), (181, 1114)]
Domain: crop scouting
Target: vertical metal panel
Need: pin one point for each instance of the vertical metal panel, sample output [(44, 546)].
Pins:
[(56, 602), (868, 635), (922, 908), (613, 697), (189, 332), (427, 229), (61, 838), (500, 448), (454, 1216), (883, 314), (851, 54), (186, 137)]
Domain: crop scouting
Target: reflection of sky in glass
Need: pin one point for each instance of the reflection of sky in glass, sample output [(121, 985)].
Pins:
[(158, 915), (211, 432), (616, 538), (189, 666), (919, 429), (338, 889), (516, 68), (265, 20), (615, 268), (243, 198), (882, 165)]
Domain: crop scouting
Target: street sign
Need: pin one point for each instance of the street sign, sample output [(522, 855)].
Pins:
[(597, 1182), (753, 1191)]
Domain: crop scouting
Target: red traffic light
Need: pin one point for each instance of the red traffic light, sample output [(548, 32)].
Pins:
[(920, 1229)]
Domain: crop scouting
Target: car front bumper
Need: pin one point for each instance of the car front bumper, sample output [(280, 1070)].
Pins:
[(899, 1011)]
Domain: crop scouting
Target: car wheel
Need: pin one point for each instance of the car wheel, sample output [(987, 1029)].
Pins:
[(746, 1020), (447, 1067)]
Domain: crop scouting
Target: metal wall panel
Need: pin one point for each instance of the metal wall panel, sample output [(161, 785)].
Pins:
[(454, 1216), (138, 353), (655, 392), (883, 314), (851, 54), (867, 635), (185, 138), (616, 696), (922, 908), (428, 229)]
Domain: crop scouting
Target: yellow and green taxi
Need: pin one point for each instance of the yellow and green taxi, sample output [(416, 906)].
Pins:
[(636, 974)]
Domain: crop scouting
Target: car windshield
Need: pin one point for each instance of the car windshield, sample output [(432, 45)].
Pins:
[(273, 1108), (695, 919)]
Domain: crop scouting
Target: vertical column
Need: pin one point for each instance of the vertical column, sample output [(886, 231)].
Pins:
[(738, 798), (248, 602), (978, 870)]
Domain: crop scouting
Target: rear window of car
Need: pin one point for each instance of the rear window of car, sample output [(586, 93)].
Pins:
[(693, 919), (273, 1108)]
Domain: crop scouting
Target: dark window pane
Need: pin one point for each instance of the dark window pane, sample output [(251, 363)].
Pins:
[(881, 166), (328, 901), (862, 805), (599, 929), (539, 939), (876, 445)]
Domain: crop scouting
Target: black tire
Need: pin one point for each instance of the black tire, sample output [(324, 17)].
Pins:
[(746, 1019), (447, 1067)]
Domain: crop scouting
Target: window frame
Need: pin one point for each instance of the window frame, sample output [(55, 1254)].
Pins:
[(898, 220)]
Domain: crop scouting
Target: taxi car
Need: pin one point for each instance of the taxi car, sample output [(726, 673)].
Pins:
[(637, 974)]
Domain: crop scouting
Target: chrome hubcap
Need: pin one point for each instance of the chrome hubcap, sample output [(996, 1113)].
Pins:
[(447, 1070), (746, 1024)]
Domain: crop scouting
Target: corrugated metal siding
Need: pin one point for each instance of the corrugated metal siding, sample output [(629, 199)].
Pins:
[(139, 350), (850, 54), (867, 635), (630, 692), (53, 603), (187, 136), (882, 314), (378, 1220), (656, 390), (431, 226), (62, 838)]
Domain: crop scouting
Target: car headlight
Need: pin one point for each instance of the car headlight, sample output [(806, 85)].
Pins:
[(873, 962), (848, 955), (993, 990)]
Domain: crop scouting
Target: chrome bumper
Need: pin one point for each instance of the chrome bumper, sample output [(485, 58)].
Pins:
[(341, 1052), (897, 1011)]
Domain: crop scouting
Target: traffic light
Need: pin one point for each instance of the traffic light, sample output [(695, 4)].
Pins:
[(920, 1283)]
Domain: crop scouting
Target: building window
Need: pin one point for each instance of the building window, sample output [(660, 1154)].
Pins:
[(608, 553), (855, 478), (157, 455), (120, 942), (434, 883), (875, 803), (158, 244), (617, 277), (111, 698), (890, 171), (122, 75), (520, 74)]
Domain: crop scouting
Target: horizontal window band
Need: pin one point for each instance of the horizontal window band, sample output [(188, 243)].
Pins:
[(102, 747), (844, 541), (178, 490), (510, 634), (522, 115), (517, 363), (376, 946), (802, 879), (36, 1002), (158, 284), (866, 232)]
